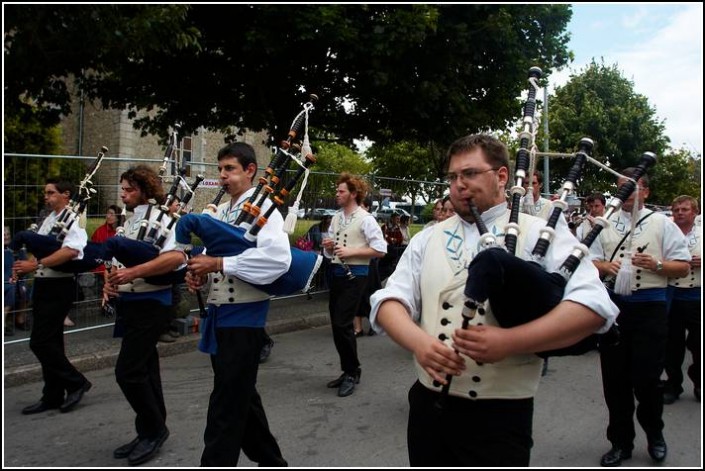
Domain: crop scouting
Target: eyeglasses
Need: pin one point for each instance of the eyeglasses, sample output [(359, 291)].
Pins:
[(466, 174)]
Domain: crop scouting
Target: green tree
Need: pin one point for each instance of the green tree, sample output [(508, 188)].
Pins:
[(421, 165), (428, 73), (676, 173), (601, 104)]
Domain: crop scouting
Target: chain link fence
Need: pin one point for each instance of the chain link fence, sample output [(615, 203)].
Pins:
[(23, 203)]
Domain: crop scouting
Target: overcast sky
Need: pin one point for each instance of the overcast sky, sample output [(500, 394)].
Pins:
[(658, 48)]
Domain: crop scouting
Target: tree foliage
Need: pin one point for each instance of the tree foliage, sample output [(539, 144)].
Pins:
[(676, 173), (601, 104), (427, 73)]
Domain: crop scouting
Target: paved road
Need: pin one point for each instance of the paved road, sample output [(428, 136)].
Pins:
[(314, 427)]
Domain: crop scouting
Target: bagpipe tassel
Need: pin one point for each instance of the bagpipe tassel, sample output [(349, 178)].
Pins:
[(623, 283)]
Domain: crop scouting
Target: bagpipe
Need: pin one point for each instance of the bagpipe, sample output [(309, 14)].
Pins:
[(132, 252), (519, 291), (498, 276), (43, 245), (224, 240)]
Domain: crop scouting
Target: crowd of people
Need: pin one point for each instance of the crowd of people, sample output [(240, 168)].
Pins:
[(413, 288)]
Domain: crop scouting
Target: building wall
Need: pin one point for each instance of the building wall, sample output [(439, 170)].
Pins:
[(114, 129)]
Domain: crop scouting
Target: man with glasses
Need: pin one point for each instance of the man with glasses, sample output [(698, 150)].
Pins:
[(52, 298), (486, 421)]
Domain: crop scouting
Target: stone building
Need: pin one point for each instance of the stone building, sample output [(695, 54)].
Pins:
[(89, 127)]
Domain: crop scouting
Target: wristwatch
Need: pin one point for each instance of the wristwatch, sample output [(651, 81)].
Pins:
[(659, 265)]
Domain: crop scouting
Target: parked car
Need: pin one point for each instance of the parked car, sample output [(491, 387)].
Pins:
[(318, 213), (384, 214)]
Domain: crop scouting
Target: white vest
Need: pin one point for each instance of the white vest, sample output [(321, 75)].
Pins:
[(132, 228), (443, 278), (692, 280), (649, 231), (350, 236), (226, 289)]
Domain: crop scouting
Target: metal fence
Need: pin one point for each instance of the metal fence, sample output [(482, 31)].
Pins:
[(24, 180)]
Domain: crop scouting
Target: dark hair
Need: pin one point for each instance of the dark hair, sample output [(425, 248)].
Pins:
[(495, 151), (147, 181), (244, 153), (355, 185), (596, 196), (62, 185), (118, 217), (404, 218)]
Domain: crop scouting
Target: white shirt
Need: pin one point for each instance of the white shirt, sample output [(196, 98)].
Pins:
[(270, 258), (584, 287), (76, 238)]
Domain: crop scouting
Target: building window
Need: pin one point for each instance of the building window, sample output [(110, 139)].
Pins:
[(187, 154)]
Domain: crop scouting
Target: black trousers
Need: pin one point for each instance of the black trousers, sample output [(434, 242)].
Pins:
[(343, 305), (632, 369), (236, 418), (468, 433), (52, 300), (137, 369), (684, 326)]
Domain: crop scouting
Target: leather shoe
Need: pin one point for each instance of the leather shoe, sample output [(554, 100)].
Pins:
[(339, 380), (348, 385), (670, 397), (125, 450), (615, 456), (37, 408), (147, 448), (72, 399), (657, 449)]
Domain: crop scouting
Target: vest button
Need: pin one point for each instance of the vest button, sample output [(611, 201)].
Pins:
[(638, 277), (216, 280), (232, 300), (230, 280), (481, 311), (638, 285), (446, 305), (231, 290), (442, 336), (476, 379), (472, 393), (479, 363), (436, 383), (445, 321)]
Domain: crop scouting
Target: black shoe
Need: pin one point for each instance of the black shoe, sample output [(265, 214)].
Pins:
[(125, 450), (147, 448), (75, 397), (657, 448), (615, 456), (266, 351), (37, 408), (359, 333), (347, 386), (339, 380), (669, 397)]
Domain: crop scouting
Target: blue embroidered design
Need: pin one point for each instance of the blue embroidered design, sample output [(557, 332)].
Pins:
[(455, 246)]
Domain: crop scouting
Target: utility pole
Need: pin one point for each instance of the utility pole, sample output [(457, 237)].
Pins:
[(546, 179)]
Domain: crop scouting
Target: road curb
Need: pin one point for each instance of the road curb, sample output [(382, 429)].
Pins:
[(107, 358)]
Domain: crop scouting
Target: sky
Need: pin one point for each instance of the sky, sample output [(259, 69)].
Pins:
[(658, 47)]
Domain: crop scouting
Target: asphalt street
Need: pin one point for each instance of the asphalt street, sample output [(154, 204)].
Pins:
[(314, 427)]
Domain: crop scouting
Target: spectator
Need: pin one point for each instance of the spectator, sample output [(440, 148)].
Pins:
[(404, 228), (437, 208), (447, 209), (373, 284)]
